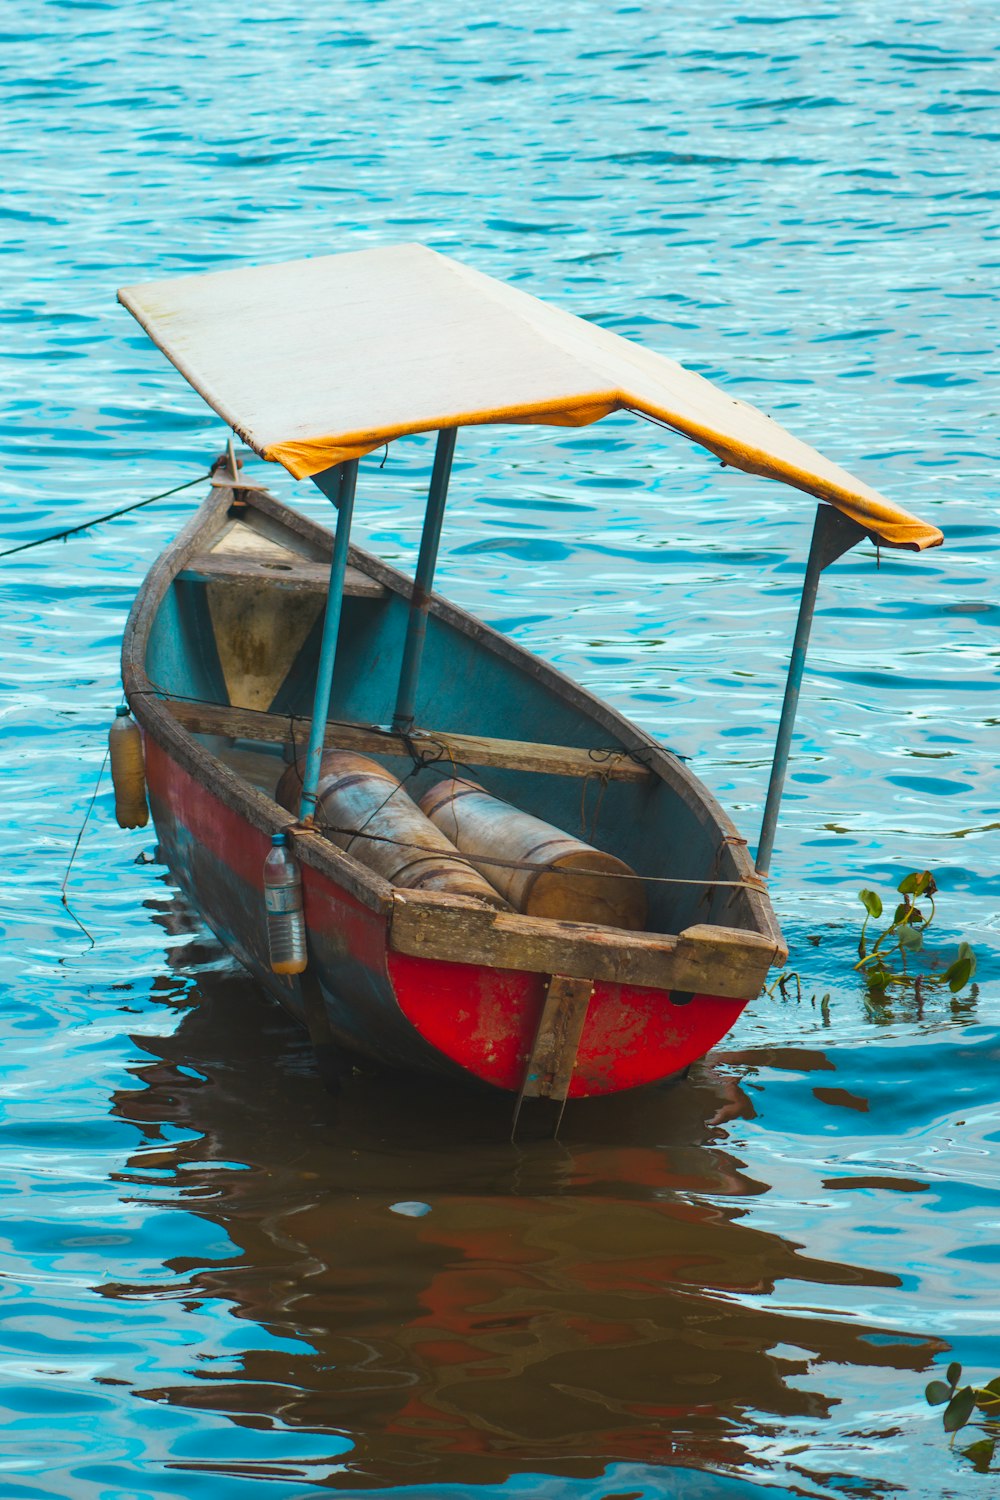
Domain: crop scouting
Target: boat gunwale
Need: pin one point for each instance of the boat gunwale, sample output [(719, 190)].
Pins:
[(151, 707)]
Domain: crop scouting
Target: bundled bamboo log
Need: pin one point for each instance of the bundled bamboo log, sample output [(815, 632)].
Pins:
[(554, 874), (365, 811)]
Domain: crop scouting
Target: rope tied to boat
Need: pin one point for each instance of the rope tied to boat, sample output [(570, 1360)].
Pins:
[(604, 757), (751, 883), (603, 777), (76, 849), (112, 515), (424, 758)]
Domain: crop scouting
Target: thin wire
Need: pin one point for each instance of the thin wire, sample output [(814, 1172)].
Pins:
[(667, 427), (601, 755), (112, 515), (360, 832), (753, 884), (427, 759), (76, 846)]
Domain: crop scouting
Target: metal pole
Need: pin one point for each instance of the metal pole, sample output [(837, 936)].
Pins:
[(833, 535), (338, 484), (416, 626)]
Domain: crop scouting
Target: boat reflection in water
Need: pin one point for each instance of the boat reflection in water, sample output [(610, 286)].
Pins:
[(466, 1309)]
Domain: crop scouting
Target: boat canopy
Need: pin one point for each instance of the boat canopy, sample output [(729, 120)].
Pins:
[(317, 361)]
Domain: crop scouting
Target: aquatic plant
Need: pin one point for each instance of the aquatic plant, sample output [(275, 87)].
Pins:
[(905, 936), (960, 1402)]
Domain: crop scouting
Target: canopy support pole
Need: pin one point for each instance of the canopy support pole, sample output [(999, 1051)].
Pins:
[(833, 535), (338, 484), (416, 626)]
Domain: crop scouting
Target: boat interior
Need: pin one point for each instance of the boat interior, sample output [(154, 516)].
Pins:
[(234, 646)]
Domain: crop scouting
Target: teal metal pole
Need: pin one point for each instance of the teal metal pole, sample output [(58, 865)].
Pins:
[(833, 535), (416, 625), (338, 484)]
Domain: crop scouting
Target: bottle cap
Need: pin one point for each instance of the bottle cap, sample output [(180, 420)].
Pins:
[(278, 840), (122, 710)]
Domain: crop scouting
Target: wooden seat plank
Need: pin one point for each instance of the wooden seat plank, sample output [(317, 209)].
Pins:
[(464, 749), (299, 574)]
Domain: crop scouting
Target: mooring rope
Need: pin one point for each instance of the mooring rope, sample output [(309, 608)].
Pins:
[(76, 846), (112, 515)]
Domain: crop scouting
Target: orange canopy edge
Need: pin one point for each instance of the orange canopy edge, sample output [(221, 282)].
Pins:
[(316, 361)]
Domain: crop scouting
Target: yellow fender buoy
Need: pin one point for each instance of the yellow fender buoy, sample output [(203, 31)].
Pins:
[(128, 771)]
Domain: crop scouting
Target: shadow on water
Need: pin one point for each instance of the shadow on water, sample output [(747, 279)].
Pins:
[(464, 1310)]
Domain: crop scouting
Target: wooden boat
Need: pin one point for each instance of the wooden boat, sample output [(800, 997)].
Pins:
[(259, 635)]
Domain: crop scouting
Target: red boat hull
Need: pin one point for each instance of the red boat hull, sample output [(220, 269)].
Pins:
[(405, 1011)]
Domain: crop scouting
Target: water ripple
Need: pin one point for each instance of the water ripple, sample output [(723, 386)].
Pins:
[(206, 1288)]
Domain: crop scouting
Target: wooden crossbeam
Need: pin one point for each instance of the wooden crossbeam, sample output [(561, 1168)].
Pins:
[(301, 575), (464, 749)]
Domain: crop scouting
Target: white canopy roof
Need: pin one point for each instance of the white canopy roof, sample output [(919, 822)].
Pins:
[(316, 361)]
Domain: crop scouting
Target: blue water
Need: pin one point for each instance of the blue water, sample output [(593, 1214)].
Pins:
[(206, 1291)]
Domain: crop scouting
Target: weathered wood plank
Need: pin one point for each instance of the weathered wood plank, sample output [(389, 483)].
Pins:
[(702, 960), (301, 575), (550, 1064), (464, 749)]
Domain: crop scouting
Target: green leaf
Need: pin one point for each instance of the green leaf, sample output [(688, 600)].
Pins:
[(954, 1373), (918, 883), (964, 951), (900, 913), (980, 1454), (988, 1399), (910, 938), (937, 1393), (959, 1409), (872, 902), (958, 974)]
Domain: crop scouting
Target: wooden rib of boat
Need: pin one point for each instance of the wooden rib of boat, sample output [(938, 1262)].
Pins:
[(259, 635)]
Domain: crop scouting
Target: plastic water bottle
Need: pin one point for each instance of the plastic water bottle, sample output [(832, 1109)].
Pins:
[(128, 770), (286, 928)]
